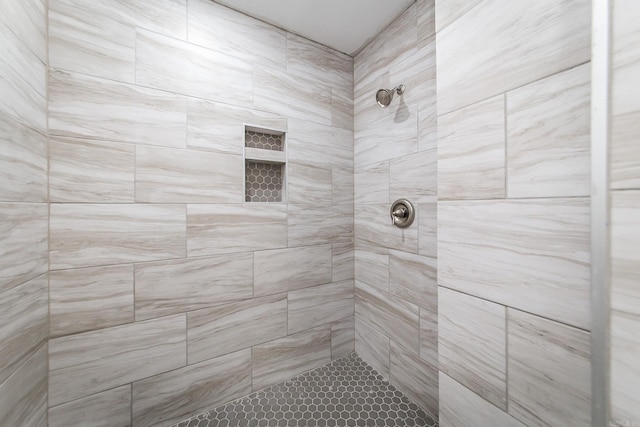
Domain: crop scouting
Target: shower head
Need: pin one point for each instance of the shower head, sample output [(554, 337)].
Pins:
[(384, 96)]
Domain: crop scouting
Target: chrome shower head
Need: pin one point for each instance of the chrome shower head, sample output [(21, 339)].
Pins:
[(384, 96)]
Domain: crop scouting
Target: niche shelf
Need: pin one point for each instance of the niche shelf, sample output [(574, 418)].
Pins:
[(265, 165)]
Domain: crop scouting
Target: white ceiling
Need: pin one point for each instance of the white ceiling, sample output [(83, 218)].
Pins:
[(345, 25)]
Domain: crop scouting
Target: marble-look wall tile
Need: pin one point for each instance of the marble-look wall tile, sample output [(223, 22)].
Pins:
[(178, 286), (319, 145), (315, 306), (428, 229), (342, 259), (85, 170), (23, 323), (83, 364), (23, 162), (549, 369), (287, 357), (513, 51), (426, 11), (313, 225), (310, 59), (24, 82), (111, 408), (342, 108), (162, 62), (414, 177), (85, 106), (429, 335), (292, 95), (548, 136), (83, 235), (392, 316), (342, 185), (624, 153), (372, 266), (536, 249), (219, 330), (218, 127), (471, 152), (371, 183), (387, 139), (171, 397), (24, 394), (413, 278), (372, 346), (448, 11), (274, 271), (625, 375), (91, 38), (166, 175), (86, 299), (472, 344), (222, 29), (23, 243), (28, 21), (309, 184), (415, 377), (477, 411), (342, 338), (427, 105), (373, 227), (216, 229)]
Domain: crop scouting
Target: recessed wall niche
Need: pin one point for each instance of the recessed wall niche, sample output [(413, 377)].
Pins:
[(265, 165)]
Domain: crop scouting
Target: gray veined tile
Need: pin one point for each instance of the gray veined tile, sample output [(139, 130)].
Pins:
[(548, 136), (28, 21), (284, 270), (313, 225), (429, 335), (23, 243), (426, 11), (315, 306), (24, 82), (85, 235), (92, 107), (342, 108), (342, 262), (293, 96), (309, 184), (396, 318), (91, 38), (217, 229), (371, 183), (625, 155), (413, 278), (427, 229), (394, 135), (219, 127), (521, 42), (23, 323), (549, 371), (625, 251), (625, 375), (176, 66), (372, 346), (168, 17), (472, 344), (373, 227), (86, 299), (471, 152), (286, 357), (342, 185), (91, 362), (319, 145), (478, 411), (372, 266), (170, 397), (24, 394), (449, 11), (415, 377), (414, 177), (225, 328), (178, 286), (166, 175), (220, 28), (85, 170), (111, 408), (23, 162), (528, 254), (342, 338)]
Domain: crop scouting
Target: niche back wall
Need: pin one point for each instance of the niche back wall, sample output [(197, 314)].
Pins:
[(164, 282)]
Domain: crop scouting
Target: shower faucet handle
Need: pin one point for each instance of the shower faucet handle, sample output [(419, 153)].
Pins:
[(402, 213)]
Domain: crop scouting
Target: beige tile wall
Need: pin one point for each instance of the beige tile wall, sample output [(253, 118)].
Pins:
[(24, 224), (169, 293), (625, 214), (513, 240), (396, 303)]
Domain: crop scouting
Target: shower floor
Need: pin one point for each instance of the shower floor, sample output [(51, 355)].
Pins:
[(346, 392)]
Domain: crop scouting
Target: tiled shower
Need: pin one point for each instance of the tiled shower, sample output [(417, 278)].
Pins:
[(194, 206)]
